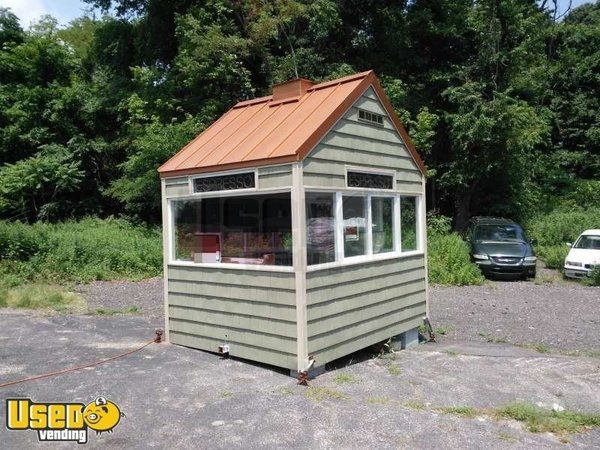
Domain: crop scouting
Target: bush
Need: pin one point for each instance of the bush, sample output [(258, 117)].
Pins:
[(562, 225), (594, 280), (91, 249), (552, 231), (19, 241), (553, 255), (449, 260)]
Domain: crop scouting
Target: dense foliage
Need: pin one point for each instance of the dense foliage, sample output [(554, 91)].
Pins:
[(448, 258), (90, 249), (554, 230), (500, 96)]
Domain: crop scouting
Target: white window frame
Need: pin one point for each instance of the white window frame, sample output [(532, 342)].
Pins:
[(368, 194), (218, 194)]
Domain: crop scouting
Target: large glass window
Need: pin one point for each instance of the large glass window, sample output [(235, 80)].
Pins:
[(382, 213), (408, 227), (253, 229), (320, 228), (355, 226)]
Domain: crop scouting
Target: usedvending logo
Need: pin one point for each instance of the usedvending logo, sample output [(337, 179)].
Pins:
[(62, 421)]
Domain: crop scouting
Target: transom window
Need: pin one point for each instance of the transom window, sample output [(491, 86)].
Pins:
[(371, 117), (370, 180), (244, 180)]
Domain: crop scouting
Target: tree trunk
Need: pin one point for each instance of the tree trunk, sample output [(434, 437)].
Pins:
[(462, 208)]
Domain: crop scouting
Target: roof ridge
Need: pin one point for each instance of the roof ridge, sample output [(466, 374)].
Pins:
[(345, 79), (252, 101)]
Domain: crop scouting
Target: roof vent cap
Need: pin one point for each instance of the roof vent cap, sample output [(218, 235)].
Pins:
[(291, 88)]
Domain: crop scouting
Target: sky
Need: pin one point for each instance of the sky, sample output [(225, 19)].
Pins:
[(67, 10)]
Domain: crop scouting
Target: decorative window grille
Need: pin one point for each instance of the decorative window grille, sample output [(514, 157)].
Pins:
[(244, 180), (370, 180), (370, 117)]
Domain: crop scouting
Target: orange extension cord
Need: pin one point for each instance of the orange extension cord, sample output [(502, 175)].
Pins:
[(157, 340)]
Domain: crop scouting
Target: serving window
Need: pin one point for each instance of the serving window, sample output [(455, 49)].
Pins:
[(360, 227), (252, 229)]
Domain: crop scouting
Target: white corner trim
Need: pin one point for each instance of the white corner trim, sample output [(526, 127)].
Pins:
[(166, 235), (299, 262)]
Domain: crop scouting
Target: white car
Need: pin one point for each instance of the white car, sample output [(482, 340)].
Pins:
[(584, 255)]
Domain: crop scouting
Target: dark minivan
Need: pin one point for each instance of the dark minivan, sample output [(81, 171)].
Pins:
[(500, 248)]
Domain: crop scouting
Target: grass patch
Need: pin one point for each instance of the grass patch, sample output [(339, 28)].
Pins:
[(442, 331), (41, 296), (320, 394), (394, 370), (414, 404), (285, 391), (538, 420), (225, 394), (580, 353), (541, 348), (452, 353), (492, 339), (112, 312), (378, 400), (345, 378), (507, 437), (463, 411)]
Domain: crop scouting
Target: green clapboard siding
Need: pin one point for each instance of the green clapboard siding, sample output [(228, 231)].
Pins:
[(352, 142), (177, 189), (275, 177), (349, 308), (253, 311)]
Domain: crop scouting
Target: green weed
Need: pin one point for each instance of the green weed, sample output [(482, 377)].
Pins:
[(41, 296), (394, 370), (344, 378), (538, 420), (414, 404), (378, 400), (319, 394), (112, 312), (464, 411), (449, 261)]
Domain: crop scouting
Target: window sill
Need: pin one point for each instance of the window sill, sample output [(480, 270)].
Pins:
[(357, 260), (256, 267)]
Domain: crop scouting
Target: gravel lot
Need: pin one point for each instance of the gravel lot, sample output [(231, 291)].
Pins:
[(116, 296), (559, 315)]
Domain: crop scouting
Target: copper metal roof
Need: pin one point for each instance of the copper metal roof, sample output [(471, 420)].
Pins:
[(279, 128)]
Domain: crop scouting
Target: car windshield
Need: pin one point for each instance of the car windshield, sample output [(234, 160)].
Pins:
[(589, 242), (499, 233)]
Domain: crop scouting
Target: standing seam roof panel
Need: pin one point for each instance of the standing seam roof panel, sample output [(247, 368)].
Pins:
[(262, 131), (238, 123), (271, 147), (312, 121), (199, 141), (238, 139)]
